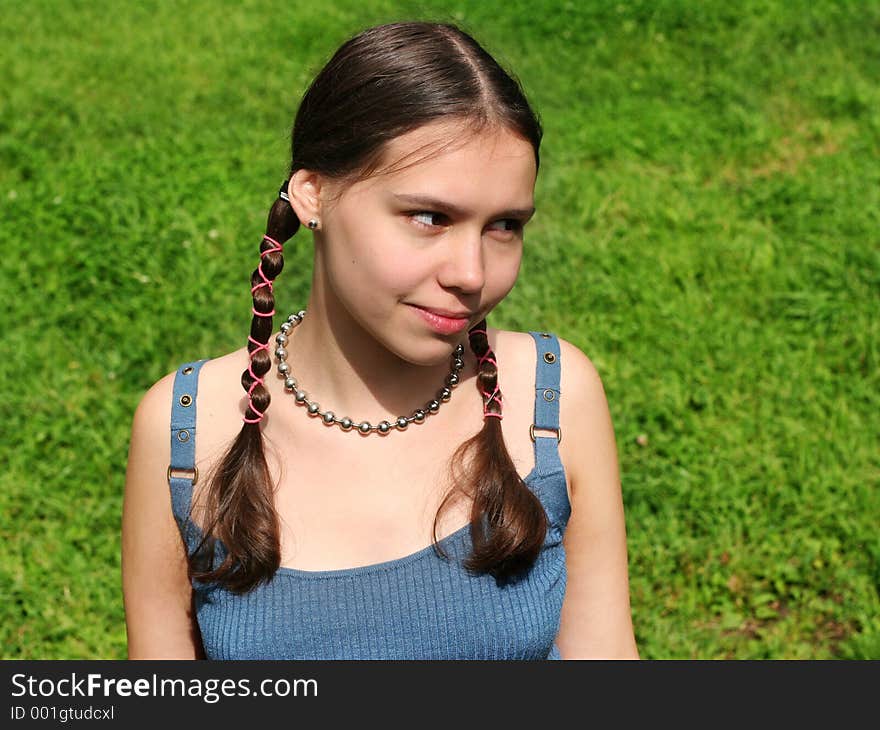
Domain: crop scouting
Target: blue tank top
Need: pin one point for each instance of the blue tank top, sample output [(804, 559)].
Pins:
[(418, 607)]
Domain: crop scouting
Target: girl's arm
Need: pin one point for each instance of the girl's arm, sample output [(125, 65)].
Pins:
[(155, 585), (596, 621)]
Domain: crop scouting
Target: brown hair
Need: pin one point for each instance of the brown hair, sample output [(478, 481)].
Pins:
[(380, 84)]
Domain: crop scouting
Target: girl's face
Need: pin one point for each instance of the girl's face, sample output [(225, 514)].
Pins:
[(445, 234)]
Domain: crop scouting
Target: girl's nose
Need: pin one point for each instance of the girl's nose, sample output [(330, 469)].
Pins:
[(463, 266)]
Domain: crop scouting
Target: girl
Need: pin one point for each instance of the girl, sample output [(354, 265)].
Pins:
[(279, 531)]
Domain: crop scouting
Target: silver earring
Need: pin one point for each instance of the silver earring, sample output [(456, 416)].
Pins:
[(313, 224)]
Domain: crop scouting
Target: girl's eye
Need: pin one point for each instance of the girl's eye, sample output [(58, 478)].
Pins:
[(509, 224), (427, 219)]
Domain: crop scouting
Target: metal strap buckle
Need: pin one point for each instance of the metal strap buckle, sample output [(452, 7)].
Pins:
[(194, 477), (558, 433)]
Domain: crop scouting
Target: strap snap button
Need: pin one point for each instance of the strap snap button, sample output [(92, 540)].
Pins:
[(186, 400), (188, 369), (549, 395), (549, 357), (183, 436)]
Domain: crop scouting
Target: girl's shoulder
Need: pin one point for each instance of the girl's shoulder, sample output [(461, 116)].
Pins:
[(156, 401), (152, 417), (520, 347)]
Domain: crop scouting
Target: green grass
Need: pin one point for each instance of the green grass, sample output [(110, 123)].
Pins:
[(707, 232)]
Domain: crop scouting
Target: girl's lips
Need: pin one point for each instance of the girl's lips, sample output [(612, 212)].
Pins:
[(443, 325)]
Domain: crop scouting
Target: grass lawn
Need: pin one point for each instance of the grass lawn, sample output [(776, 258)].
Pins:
[(708, 232)]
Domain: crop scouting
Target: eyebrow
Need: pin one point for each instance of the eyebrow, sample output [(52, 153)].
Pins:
[(427, 201)]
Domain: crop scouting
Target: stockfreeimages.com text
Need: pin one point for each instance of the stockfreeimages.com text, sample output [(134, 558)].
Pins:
[(210, 690)]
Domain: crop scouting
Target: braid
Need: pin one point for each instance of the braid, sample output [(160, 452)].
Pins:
[(487, 377), (281, 225), (508, 521), (239, 497)]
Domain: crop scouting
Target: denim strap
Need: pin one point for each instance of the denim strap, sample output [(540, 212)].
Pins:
[(182, 472), (547, 392)]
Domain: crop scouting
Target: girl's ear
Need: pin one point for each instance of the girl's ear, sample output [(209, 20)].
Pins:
[(304, 191)]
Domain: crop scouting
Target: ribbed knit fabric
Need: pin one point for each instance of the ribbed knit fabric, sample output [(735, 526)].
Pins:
[(421, 606)]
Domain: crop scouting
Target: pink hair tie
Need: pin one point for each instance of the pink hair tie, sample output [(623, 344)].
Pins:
[(488, 357), (254, 420), (259, 346), (257, 380), (257, 419), (275, 248), (278, 248), (490, 398), (265, 282)]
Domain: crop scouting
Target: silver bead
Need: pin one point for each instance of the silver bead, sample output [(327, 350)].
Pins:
[(294, 319), (328, 417), (283, 368), (300, 396), (346, 423), (444, 394), (280, 353), (434, 406), (401, 423), (365, 427), (290, 383), (282, 338), (452, 379), (285, 328), (314, 408), (418, 416), (458, 364), (301, 313), (384, 427)]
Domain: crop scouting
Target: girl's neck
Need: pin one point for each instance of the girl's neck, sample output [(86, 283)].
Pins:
[(347, 370)]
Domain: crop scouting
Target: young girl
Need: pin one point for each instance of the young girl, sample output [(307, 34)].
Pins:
[(391, 503)]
